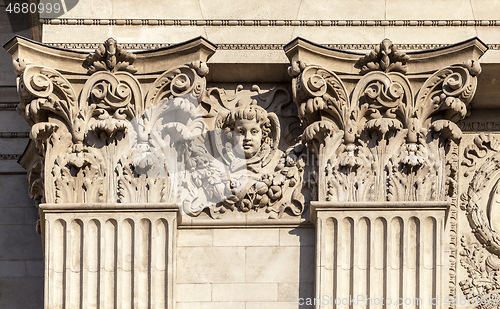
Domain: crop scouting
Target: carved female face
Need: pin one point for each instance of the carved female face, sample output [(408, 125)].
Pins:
[(248, 137)]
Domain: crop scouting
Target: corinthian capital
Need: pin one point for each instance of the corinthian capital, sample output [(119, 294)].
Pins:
[(386, 139), (87, 111)]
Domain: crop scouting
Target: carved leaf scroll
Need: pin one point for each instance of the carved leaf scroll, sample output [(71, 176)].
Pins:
[(385, 57), (110, 57), (481, 288), (108, 143), (479, 203), (389, 142)]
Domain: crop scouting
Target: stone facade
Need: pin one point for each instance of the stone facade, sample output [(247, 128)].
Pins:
[(189, 156), (21, 254)]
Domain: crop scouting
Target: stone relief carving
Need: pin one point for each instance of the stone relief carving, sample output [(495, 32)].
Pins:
[(482, 287), (480, 256), (452, 168), (385, 57), (479, 149), (247, 138), (379, 142), (82, 141), (214, 149), (110, 57), (480, 203), (246, 169), (178, 143)]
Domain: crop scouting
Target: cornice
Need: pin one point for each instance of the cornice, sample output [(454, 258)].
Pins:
[(479, 126), (347, 61), (148, 46), (271, 23), (70, 61)]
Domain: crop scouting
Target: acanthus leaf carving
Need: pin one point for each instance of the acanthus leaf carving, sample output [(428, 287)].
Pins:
[(320, 94), (177, 82), (390, 145), (79, 139), (80, 177), (134, 187), (44, 89), (110, 57), (448, 92), (107, 143), (109, 101), (385, 57), (376, 141)]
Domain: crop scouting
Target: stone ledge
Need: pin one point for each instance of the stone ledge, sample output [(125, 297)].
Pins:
[(98, 207), (270, 23)]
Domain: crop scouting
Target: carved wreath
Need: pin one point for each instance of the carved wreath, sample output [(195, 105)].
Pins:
[(477, 209)]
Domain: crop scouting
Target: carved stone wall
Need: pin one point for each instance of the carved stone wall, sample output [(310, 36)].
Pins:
[(129, 148), (388, 134), (380, 141)]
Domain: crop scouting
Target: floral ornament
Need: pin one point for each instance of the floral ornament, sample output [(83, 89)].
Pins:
[(110, 57), (379, 141), (275, 192), (482, 286), (385, 57), (349, 158)]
